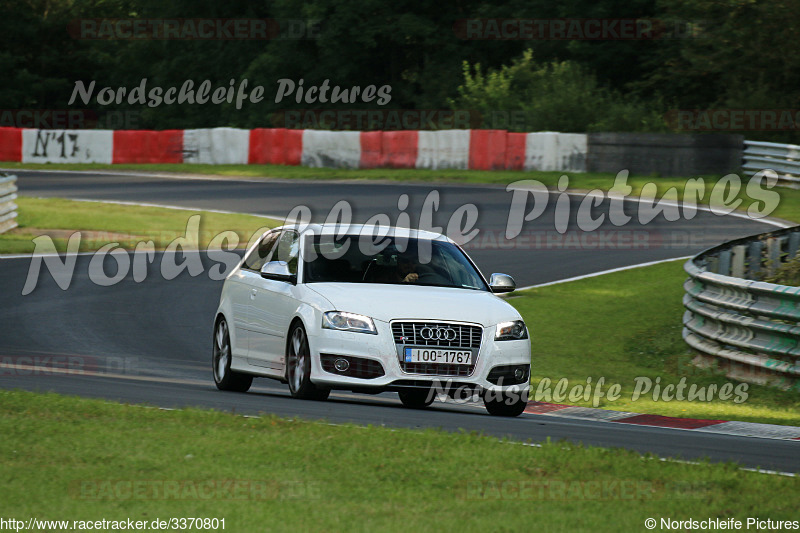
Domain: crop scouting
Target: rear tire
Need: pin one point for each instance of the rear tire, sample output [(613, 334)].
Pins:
[(224, 377), (504, 405), (298, 367), (416, 399)]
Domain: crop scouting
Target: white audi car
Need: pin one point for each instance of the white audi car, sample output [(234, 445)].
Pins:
[(370, 309)]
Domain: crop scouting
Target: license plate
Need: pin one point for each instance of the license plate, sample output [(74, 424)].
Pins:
[(429, 355)]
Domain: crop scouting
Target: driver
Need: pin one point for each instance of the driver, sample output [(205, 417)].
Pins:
[(406, 269)]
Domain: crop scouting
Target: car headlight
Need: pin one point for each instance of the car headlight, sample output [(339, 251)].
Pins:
[(342, 321), (511, 331)]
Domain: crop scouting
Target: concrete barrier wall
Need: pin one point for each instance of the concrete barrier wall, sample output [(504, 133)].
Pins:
[(145, 146), (67, 146), (10, 144), (639, 153), (664, 154), (217, 146), (333, 149), (571, 152), (541, 151), (443, 149)]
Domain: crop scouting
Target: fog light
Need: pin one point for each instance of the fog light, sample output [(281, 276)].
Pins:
[(519, 373), (341, 365)]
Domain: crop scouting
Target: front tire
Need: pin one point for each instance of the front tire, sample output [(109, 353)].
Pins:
[(416, 399), (505, 405), (298, 367), (224, 377)]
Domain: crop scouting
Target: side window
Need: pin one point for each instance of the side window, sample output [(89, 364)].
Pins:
[(261, 253), (288, 247)]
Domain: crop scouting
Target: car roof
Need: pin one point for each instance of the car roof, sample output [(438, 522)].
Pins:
[(357, 229)]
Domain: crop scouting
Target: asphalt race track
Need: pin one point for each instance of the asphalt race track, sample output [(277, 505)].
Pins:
[(150, 342)]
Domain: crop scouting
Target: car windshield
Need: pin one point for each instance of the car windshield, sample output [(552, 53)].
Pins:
[(354, 259)]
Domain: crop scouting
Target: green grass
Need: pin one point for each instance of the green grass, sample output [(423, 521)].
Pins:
[(625, 325), (78, 459), (131, 224), (788, 208)]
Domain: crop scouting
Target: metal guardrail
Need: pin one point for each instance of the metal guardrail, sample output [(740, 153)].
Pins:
[(749, 328), (8, 209), (784, 159)]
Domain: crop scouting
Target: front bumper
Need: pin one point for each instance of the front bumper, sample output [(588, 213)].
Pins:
[(493, 359)]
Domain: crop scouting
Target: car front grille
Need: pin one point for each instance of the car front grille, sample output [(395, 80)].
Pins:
[(466, 336), (411, 333)]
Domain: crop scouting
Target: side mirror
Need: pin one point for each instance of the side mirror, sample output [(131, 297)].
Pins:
[(500, 283), (279, 271)]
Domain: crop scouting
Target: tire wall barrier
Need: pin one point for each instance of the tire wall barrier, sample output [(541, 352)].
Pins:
[(664, 154), (8, 209), (749, 328)]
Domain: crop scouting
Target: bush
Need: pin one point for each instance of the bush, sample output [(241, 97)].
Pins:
[(557, 96), (787, 273)]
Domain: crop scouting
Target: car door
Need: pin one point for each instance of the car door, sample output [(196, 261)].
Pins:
[(243, 286), (273, 307)]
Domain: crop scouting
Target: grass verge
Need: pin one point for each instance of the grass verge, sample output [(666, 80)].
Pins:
[(101, 223), (67, 458), (788, 208), (627, 325)]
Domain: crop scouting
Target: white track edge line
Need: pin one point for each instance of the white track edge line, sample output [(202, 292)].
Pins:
[(603, 272)]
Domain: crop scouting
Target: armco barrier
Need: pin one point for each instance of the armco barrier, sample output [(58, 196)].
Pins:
[(750, 328), (8, 209), (784, 159)]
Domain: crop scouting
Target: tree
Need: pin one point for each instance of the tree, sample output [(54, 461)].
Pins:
[(556, 96)]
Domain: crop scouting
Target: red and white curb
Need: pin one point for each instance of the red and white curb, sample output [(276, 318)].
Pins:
[(724, 427)]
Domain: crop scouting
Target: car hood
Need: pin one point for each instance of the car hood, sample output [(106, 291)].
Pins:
[(391, 302)]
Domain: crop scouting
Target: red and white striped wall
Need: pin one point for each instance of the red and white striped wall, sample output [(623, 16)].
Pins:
[(444, 149)]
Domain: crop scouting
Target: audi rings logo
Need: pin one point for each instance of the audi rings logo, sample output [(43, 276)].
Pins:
[(438, 334)]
